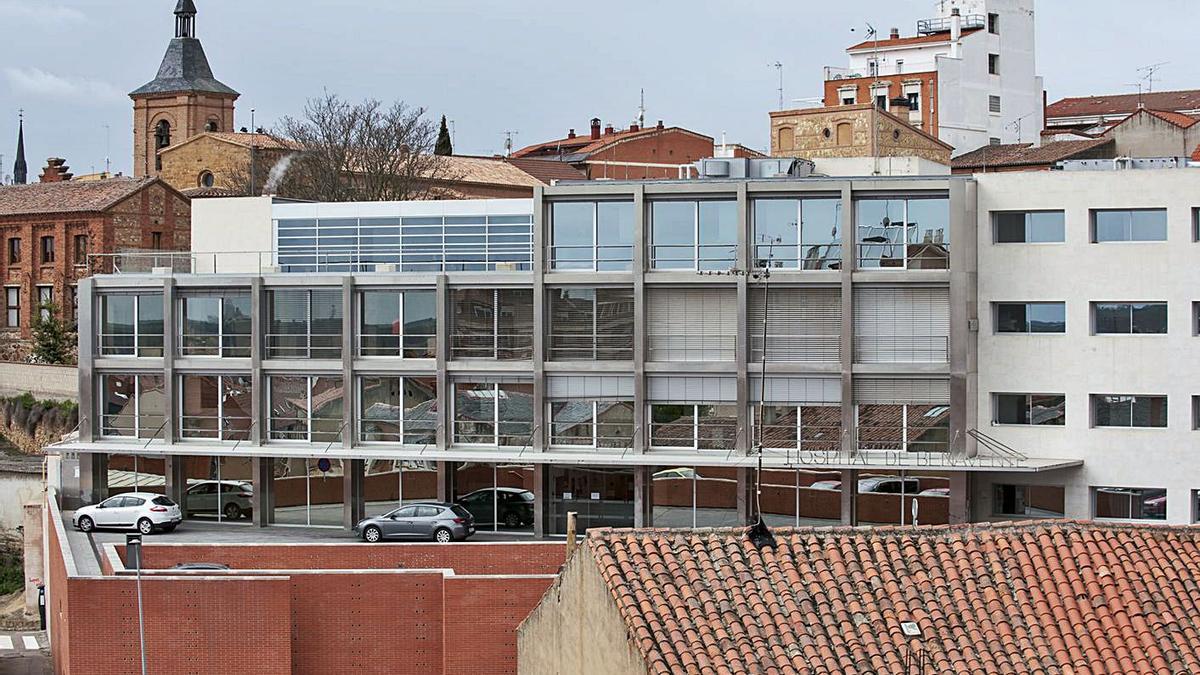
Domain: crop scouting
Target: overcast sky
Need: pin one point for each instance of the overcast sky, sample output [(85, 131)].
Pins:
[(536, 67)]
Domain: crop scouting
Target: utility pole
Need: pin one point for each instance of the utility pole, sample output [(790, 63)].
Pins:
[(508, 142)]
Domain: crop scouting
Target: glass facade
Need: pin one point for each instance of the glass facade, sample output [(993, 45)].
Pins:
[(591, 424), (912, 233), (411, 244), (590, 324), (600, 496), (391, 483), (699, 496), (305, 408), (498, 414), (491, 324), (216, 407), (215, 323), (500, 496), (308, 491), (398, 323), (219, 489), (591, 236), (693, 235), (396, 409), (904, 427), (695, 427), (304, 323), (903, 498), (798, 233), (131, 324), (133, 406)]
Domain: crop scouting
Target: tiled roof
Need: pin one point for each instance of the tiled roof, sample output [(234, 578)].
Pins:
[(1083, 106), (486, 170), (208, 192), (547, 170), (1025, 154), (933, 38), (67, 196), (585, 145), (250, 140), (1178, 119), (184, 68), (1052, 597)]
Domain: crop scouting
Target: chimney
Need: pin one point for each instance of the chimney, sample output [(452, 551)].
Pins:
[(595, 128), (955, 32), (633, 126), (608, 130), (659, 126), (895, 34), (901, 103), (570, 133), (56, 171)]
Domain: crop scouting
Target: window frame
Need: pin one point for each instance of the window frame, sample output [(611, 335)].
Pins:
[(802, 444), (698, 259), (796, 261), (223, 433), (307, 350), (403, 437), (996, 305), (103, 416), (79, 248), (1029, 226), (222, 349), (1094, 238), (993, 63), (592, 422), (1024, 488), (136, 351), (598, 352), (310, 382), (1132, 307), (1028, 409), (698, 440), (401, 351), (13, 251), (905, 428), (496, 421), (12, 310), (903, 243), (1130, 493), (1095, 399), (45, 296), (514, 349), (46, 249), (597, 262)]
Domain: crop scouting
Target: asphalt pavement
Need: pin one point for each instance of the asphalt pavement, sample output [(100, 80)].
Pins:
[(25, 653)]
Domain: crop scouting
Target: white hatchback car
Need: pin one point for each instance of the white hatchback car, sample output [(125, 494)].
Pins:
[(144, 511)]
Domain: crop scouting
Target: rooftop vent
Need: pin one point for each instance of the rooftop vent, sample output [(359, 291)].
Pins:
[(744, 167)]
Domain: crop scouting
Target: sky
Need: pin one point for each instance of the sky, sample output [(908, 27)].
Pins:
[(533, 67)]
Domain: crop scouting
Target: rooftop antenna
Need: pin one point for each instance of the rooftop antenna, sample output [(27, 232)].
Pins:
[(641, 116), (1141, 104), (452, 140), (252, 127), (779, 68), (107, 149), (1150, 71), (508, 142)]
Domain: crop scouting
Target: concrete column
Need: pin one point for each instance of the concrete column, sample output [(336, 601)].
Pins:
[(169, 432), (849, 263), (961, 485), (745, 495), (258, 383), (349, 389), (541, 502), (174, 468), (34, 548), (743, 441), (640, 419), (850, 497), (263, 474), (88, 426), (354, 507), (93, 477), (964, 315), (445, 481), (643, 497), (539, 428), (442, 433)]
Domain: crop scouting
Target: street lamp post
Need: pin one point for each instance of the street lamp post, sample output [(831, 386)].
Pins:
[(133, 553)]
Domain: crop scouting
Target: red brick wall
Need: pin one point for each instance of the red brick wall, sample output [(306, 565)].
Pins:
[(57, 609), (929, 118), (670, 147), (30, 272), (485, 613)]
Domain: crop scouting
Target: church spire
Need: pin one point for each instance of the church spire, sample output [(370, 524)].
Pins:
[(20, 169), (185, 19)]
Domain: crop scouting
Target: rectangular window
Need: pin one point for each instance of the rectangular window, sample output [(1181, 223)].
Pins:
[(1031, 409), (47, 250), (73, 302), (131, 324), (1129, 225), (1125, 318), (993, 140), (1031, 317), (12, 306), (45, 300), (1130, 503), (215, 406), (912, 233), (1028, 227), (1196, 224), (993, 104), (156, 241), (397, 410), (994, 64), (304, 323), (590, 324), (305, 408), (1196, 412), (912, 427), (1123, 410), (398, 323), (993, 23), (693, 427), (1029, 501), (591, 236), (591, 424), (488, 323), (801, 324), (80, 249), (14, 250), (132, 406), (693, 235), (914, 101), (813, 428), (797, 233), (215, 323), (487, 413)]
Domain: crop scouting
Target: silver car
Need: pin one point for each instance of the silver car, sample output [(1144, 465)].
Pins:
[(425, 520)]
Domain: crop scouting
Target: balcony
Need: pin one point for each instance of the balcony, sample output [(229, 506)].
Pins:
[(942, 24), (833, 73)]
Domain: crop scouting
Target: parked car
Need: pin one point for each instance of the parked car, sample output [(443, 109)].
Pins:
[(936, 492), (233, 499), (146, 512), (425, 520), (678, 472), (878, 484), (200, 567), (507, 506)]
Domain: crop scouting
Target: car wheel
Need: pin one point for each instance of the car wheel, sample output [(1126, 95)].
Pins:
[(443, 536), (145, 526), (86, 524), (372, 534), (232, 511), (512, 520)]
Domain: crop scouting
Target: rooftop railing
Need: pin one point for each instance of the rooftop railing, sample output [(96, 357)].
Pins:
[(941, 24)]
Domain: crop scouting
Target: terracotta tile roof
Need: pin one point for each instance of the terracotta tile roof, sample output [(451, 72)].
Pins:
[(1084, 106), (1033, 597), (67, 196), (1178, 119), (486, 170), (584, 144), (207, 192), (547, 170), (932, 38), (1025, 154), (245, 140), (1196, 154)]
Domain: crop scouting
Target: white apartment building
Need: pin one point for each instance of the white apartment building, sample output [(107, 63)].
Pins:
[(969, 76), (1088, 290)]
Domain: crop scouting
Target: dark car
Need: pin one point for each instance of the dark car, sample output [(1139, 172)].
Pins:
[(507, 506), (424, 520), (201, 567)]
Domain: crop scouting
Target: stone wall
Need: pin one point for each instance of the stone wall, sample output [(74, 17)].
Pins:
[(229, 163), (850, 131), (30, 424)]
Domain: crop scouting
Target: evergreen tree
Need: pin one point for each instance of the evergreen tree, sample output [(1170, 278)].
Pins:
[(443, 145), (51, 339)]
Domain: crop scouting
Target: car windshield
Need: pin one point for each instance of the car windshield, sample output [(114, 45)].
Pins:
[(526, 496), (163, 501), (460, 511)]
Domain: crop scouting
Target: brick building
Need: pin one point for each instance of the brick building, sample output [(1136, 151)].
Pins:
[(50, 228), (627, 154), (231, 162), (1095, 114), (860, 130), (184, 99)]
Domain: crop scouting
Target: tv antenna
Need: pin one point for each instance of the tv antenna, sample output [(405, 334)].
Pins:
[(451, 122), (778, 66), (508, 142), (1150, 71), (107, 148), (641, 112)]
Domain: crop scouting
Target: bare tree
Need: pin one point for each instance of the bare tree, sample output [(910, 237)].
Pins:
[(362, 151)]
